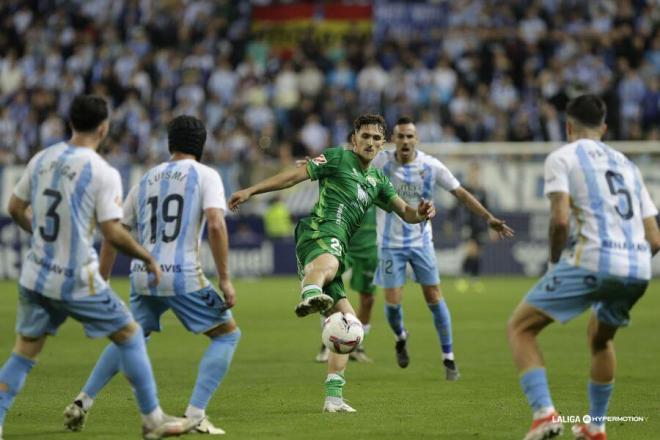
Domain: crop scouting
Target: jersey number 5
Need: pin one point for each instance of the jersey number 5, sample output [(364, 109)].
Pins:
[(167, 217), (617, 187)]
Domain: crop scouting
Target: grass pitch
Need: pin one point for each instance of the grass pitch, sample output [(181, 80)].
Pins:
[(275, 391)]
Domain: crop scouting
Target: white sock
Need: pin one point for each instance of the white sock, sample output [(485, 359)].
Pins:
[(154, 418), (544, 412), (403, 336), (86, 401), (192, 412), (366, 328), (310, 287), (593, 428), (334, 400), (449, 356), (323, 318)]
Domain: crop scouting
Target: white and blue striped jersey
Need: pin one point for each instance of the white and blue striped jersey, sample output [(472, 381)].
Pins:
[(166, 212), (70, 189), (413, 182), (608, 204)]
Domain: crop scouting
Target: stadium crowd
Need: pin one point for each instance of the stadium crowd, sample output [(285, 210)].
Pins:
[(500, 71)]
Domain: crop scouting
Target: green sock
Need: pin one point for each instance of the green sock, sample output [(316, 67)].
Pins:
[(310, 290), (334, 384)]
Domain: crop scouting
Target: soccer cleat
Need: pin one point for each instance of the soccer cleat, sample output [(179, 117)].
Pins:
[(316, 303), (401, 353), (206, 427), (359, 355), (323, 354), (75, 416), (581, 432), (545, 428), (451, 370), (337, 407), (169, 427)]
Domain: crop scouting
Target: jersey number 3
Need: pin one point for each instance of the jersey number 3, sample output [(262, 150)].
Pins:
[(167, 216), (52, 229)]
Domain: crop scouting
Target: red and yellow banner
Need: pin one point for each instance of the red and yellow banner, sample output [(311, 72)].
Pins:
[(286, 25)]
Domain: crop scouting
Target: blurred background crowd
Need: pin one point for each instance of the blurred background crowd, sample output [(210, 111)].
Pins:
[(492, 71)]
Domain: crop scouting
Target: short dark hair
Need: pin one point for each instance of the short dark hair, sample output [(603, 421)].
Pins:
[(187, 135), (369, 119), (588, 110), (87, 112), (403, 120)]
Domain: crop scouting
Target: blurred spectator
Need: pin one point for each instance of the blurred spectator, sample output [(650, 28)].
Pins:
[(277, 219), (499, 71)]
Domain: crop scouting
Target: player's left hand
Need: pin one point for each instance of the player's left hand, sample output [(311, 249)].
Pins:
[(499, 226), (239, 197), (426, 210), (228, 292)]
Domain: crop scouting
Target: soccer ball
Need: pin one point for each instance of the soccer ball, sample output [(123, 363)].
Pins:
[(342, 332)]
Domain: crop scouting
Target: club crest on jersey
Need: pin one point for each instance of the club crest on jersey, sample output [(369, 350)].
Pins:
[(319, 160), (371, 180)]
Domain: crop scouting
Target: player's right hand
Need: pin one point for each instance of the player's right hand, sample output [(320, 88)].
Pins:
[(153, 269), (499, 226), (228, 292), (239, 197)]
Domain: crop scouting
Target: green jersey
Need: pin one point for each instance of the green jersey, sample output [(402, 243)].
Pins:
[(363, 242), (346, 192)]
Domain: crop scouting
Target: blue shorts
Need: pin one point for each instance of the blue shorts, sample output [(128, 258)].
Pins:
[(198, 311), (567, 291), (391, 271), (101, 315)]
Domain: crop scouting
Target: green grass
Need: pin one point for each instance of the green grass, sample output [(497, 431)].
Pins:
[(274, 390)]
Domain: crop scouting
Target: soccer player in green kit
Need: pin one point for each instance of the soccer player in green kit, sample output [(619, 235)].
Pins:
[(362, 259), (348, 187)]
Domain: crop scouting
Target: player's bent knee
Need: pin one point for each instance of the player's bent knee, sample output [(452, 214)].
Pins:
[(29, 346), (222, 329)]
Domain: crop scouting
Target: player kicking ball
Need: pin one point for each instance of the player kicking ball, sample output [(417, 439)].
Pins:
[(603, 233), (70, 189), (166, 211), (348, 186), (415, 175)]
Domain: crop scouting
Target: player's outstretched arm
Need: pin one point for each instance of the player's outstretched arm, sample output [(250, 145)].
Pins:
[(424, 211), (476, 207), (559, 224), (18, 211), (282, 180), (652, 234), (115, 233), (219, 244)]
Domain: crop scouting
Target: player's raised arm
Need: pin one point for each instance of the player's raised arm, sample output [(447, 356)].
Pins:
[(424, 211), (476, 207), (285, 179)]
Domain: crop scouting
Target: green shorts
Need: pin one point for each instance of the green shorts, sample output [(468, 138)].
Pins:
[(364, 269), (308, 248)]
